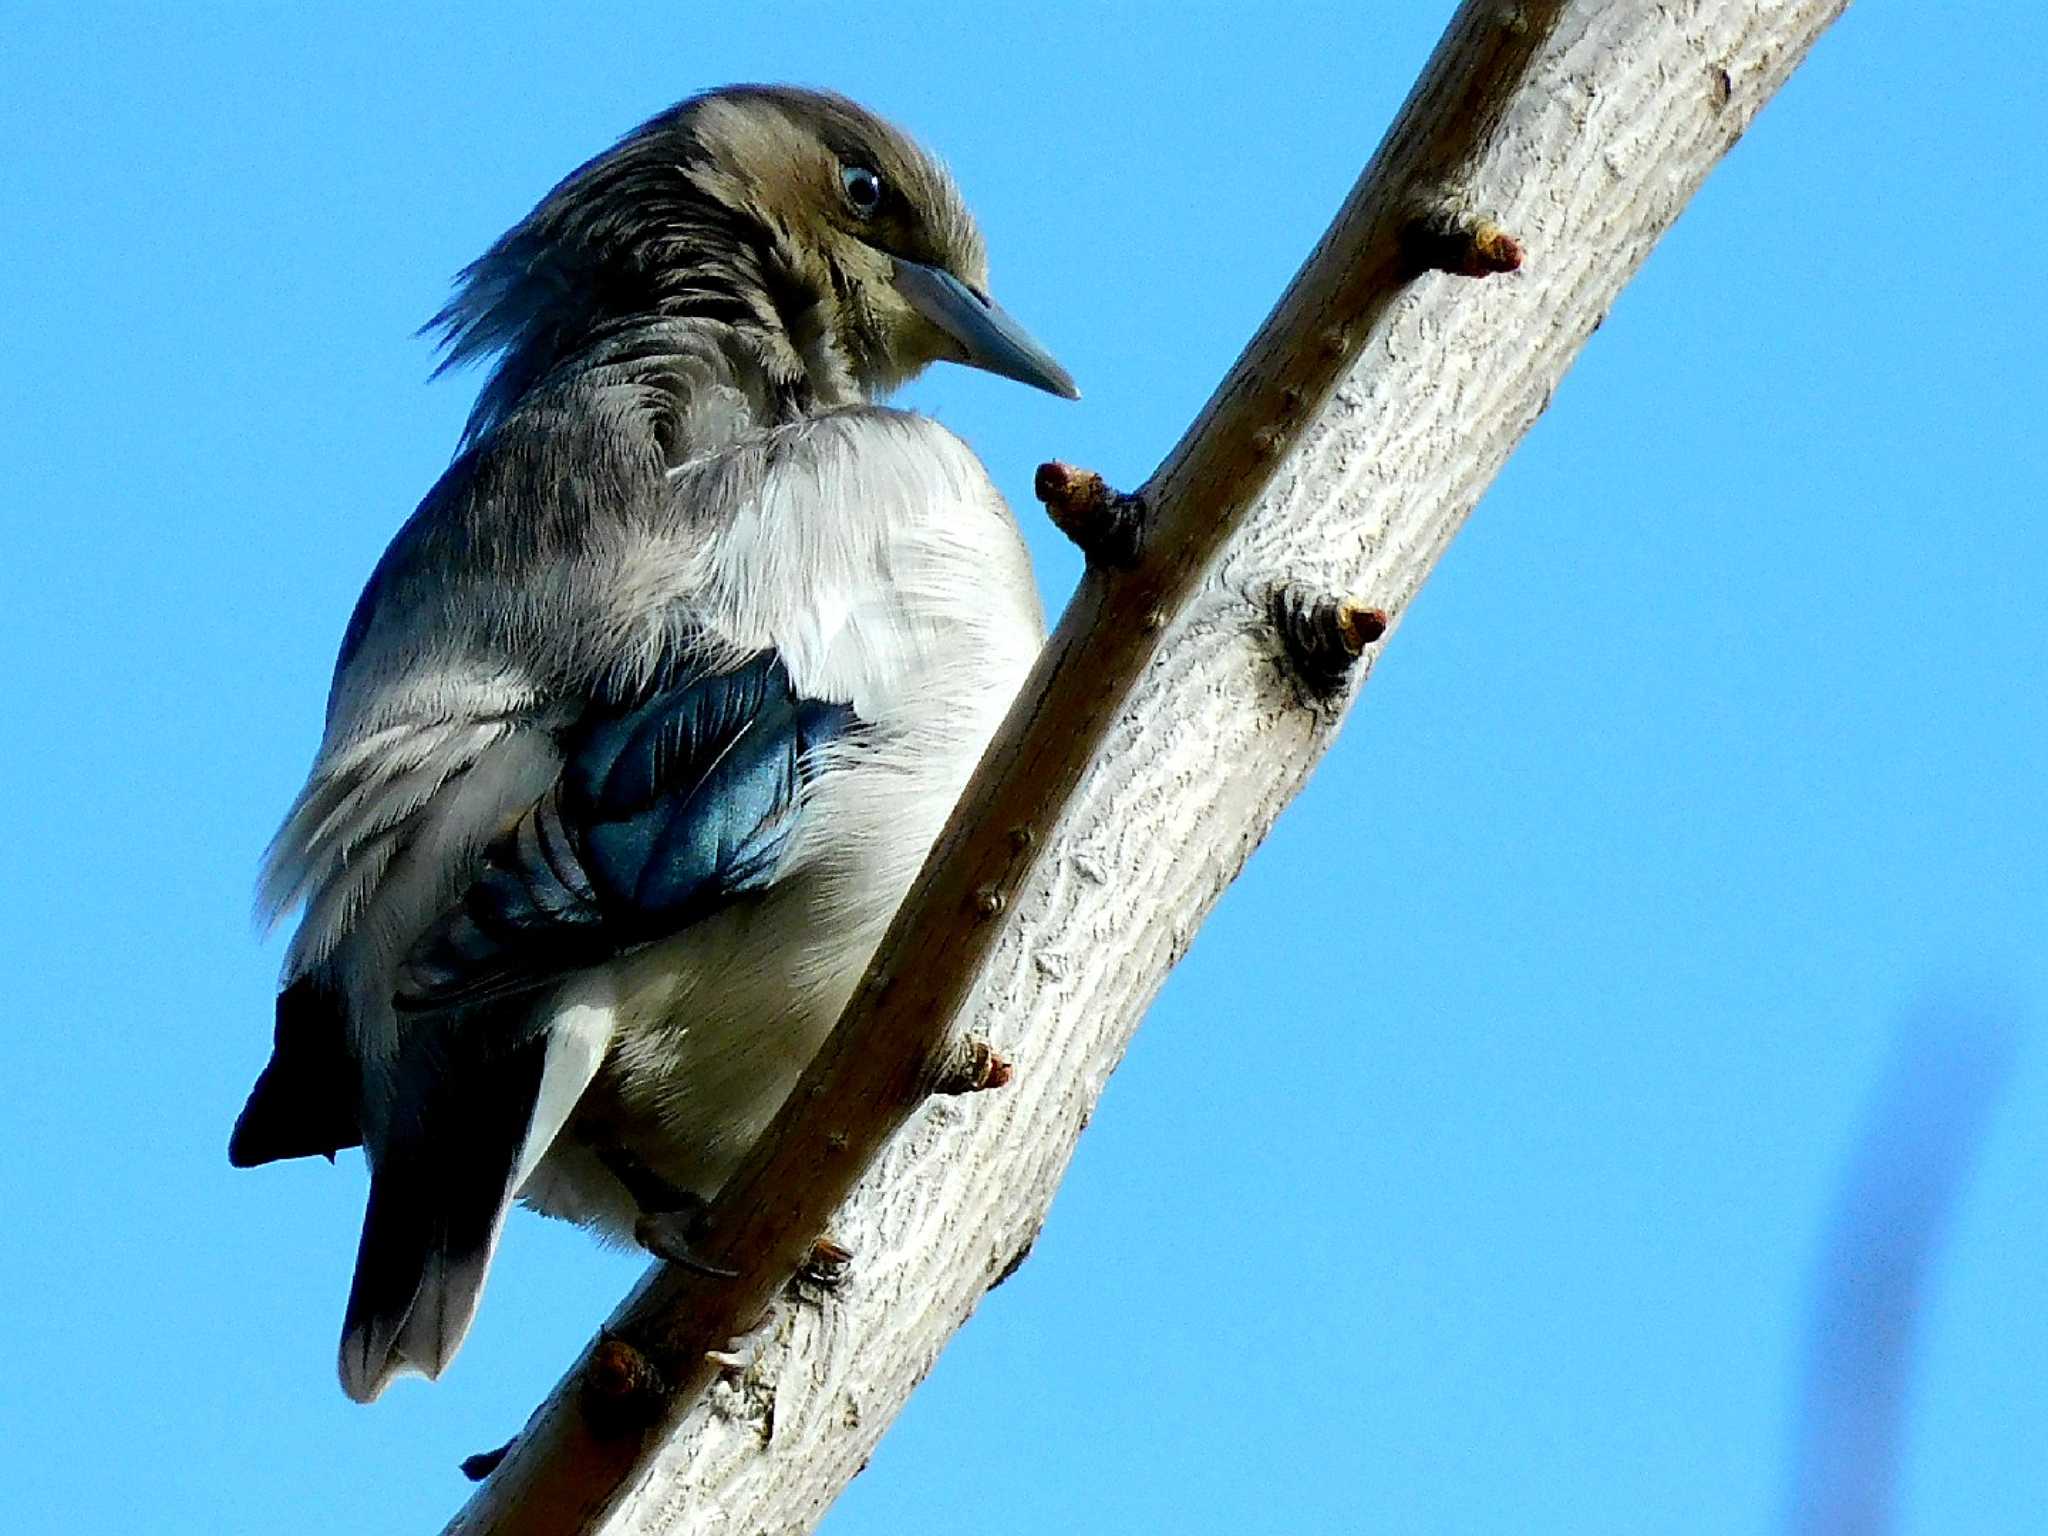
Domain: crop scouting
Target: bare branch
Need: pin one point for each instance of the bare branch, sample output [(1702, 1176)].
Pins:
[(1174, 713)]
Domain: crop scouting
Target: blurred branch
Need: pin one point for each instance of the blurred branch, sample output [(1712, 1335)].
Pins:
[(1898, 1194), (1199, 673)]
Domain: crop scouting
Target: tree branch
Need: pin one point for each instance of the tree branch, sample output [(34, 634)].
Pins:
[(1198, 674)]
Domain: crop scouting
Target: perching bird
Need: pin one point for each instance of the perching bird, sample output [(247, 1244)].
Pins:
[(651, 711)]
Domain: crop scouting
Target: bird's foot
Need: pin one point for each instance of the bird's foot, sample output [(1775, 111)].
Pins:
[(671, 1219), (672, 1235)]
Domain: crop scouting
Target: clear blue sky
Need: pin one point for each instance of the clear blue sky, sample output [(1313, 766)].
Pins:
[(1714, 750)]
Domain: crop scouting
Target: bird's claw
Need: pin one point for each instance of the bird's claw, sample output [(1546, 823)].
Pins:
[(671, 1236)]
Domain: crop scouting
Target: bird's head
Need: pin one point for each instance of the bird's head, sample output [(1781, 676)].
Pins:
[(797, 217)]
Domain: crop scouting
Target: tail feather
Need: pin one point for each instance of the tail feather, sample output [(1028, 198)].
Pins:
[(441, 1184), (470, 1131)]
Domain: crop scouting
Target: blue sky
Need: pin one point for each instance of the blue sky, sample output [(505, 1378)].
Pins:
[(1712, 756)]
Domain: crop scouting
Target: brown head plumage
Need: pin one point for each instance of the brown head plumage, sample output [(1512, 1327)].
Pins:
[(839, 254)]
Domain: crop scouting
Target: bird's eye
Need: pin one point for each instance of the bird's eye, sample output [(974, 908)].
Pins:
[(863, 188)]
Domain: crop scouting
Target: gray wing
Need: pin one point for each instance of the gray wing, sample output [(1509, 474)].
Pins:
[(666, 810)]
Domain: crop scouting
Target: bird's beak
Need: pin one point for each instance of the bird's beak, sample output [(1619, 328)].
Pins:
[(987, 335)]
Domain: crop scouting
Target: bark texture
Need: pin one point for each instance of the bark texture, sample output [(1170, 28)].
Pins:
[(1163, 734)]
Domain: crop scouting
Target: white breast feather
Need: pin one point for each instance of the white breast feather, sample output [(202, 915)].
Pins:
[(874, 556)]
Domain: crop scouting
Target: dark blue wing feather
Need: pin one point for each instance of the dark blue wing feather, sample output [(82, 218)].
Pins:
[(666, 810)]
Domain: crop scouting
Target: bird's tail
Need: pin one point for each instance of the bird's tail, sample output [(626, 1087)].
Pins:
[(461, 1144)]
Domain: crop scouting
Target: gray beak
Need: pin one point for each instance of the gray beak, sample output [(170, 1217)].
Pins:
[(990, 338)]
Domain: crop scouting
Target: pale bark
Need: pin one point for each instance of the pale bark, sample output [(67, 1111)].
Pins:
[(1158, 742)]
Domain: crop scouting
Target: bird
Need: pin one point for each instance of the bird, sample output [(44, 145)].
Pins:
[(650, 712)]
